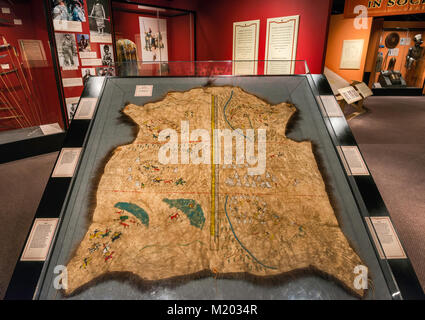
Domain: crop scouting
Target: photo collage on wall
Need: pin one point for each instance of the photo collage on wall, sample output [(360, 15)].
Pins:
[(84, 44)]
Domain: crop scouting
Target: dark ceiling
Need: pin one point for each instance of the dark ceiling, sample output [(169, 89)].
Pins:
[(338, 6)]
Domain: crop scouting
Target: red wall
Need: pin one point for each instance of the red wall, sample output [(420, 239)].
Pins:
[(126, 26), (215, 26), (43, 86)]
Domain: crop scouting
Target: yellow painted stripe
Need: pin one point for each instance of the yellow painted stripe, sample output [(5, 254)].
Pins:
[(212, 226)]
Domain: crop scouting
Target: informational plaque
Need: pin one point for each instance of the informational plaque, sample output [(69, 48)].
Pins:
[(143, 91), (281, 44), (364, 90), (72, 82), (86, 108), (332, 107), (67, 162), (88, 55), (33, 52), (385, 238), (405, 41), (18, 22), (245, 47), (354, 160), (91, 62), (51, 128), (393, 52), (351, 56), (65, 25), (350, 94), (40, 239)]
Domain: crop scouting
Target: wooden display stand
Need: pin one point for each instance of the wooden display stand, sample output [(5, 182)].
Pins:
[(355, 95)]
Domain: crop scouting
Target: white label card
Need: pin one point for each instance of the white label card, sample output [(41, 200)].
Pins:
[(91, 62), (5, 66), (364, 90), (72, 82), (40, 239), (88, 55), (86, 108), (103, 38), (143, 91), (350, 94), (67, 162), (5, 10), (51, 128), (331, 106), (388, 242), (393, 52), (64, 25), (354, 161), (17, 22)]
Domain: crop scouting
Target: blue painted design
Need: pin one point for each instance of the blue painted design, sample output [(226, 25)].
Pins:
[(237, 239), (190, 208), (134, 209), (225, 118)]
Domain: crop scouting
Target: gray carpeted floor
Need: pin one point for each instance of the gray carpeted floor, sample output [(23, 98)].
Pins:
[(391, 137), (22, 185)]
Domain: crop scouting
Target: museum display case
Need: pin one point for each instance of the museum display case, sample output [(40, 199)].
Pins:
[(150, 34), (30, 97), (72, 211), (400, 58)]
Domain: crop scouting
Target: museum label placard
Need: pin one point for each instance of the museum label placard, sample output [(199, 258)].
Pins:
[(281, 45), (385, 238), (86, 108), (245, 47), (67, 162), (39, 241)]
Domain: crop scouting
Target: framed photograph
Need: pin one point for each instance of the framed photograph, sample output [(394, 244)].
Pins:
[(68, 10), (99, 21), (68, 15), (71, 106), (351, 56), (86, 73), (83, 41), (105, 71), (67, 51), (107, 55), (154, 40)]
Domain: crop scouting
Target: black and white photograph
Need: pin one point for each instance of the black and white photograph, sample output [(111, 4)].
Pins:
[(107, 55), (83, 41), (86, 73), (67, 50), (99, 21), (105, 71), (71, 106), (68, 10)]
